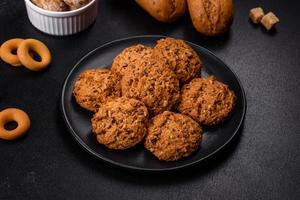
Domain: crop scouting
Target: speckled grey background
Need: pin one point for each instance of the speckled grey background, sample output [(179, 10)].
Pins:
[(262, 163)]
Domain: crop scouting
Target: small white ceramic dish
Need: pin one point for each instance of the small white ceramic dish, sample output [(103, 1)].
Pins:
[(62, 23)]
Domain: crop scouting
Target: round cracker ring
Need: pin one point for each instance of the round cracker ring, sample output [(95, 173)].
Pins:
[(7, 49), (13, 115), (24, 54)]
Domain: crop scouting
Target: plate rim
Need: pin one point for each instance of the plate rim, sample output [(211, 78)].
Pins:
[(130, 167)]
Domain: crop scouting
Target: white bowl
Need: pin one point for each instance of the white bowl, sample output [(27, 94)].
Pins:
[(62, 23)]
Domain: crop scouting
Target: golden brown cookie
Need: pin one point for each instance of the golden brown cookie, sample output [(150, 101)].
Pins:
[(120, 123), (75, 4), (172, 136), (52, 5), (179, 57), (153, 84), (207, 101), (130, 58), (94, 87)]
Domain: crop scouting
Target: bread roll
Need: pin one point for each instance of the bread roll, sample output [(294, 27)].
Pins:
[(164, 10), (211, 17)]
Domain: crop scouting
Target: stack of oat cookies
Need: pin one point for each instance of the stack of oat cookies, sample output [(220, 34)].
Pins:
[(155, 96)]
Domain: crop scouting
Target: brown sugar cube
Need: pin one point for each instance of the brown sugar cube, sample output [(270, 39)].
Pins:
[(256, 14), (269, 20)]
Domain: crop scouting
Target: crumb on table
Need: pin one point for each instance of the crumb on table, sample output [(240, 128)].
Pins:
[(256, 14), (269, 20)]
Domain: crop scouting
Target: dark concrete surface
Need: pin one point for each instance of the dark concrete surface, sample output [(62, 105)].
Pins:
[(262, 163)]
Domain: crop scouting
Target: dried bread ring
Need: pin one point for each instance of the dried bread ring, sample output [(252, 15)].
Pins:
[(10, 115), (6, 51), (38, 47)]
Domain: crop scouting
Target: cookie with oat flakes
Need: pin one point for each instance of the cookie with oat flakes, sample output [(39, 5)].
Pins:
[(120, 123), (94, 87), (172, 136), (207, 101)]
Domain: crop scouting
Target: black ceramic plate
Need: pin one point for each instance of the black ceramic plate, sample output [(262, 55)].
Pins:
[(138, 158)]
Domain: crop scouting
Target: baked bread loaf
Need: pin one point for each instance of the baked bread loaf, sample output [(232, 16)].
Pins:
[(164, 10), (211, 17)]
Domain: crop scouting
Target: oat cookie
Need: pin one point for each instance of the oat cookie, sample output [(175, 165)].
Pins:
[(130, 58), (75, 4), (153, 84), (120, 123), (172, 136), (94, 87), (207, 101), (52, 5), (179, 57)]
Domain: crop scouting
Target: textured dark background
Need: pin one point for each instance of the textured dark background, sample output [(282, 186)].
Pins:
[(262, 163)]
